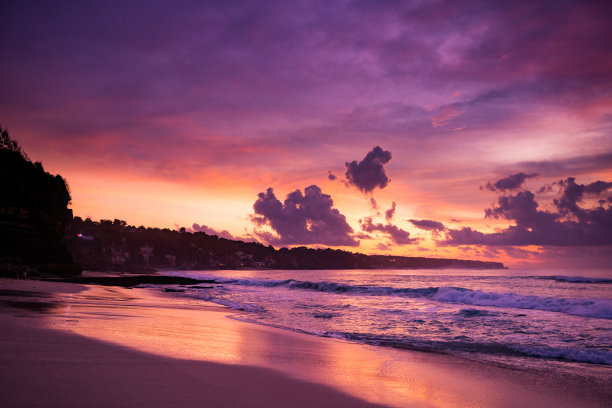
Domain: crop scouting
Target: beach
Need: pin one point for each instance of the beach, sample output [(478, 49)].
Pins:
[(85, 345)]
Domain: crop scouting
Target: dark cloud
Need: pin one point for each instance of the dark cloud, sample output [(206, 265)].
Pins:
[(382, 247), (211, 231), (428, 225), (521, 208), (369, 173), (574, 193), (390, 213), (330, 175), (571, 225), (511, 182), (394, 233), (597, 187), (302, 219)]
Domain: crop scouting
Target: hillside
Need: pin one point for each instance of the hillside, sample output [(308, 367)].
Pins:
[(114, 245)]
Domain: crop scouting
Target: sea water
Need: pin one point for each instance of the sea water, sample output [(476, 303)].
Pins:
[(559, 320)]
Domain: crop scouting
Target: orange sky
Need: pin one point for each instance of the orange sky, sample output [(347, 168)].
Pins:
[(184, 115)]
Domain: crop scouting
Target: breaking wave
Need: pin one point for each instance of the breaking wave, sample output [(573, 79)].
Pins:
[(597, 308), (575, 279)]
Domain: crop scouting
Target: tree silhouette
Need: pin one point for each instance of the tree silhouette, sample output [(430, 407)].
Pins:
[(10, 145), (33, 214)]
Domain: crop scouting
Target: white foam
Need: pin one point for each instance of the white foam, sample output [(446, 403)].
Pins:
[(599, 308), (595, 356)]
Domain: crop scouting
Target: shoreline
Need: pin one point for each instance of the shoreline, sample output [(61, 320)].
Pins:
[(156, 330), (98, 374), (43, 367)]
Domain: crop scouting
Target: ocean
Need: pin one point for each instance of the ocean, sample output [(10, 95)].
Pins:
[(526, 319)]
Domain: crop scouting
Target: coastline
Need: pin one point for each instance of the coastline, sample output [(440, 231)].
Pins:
[(100, 346), (43, 367)]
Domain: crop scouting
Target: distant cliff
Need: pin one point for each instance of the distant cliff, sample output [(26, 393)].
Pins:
[(33, 216), (116, 246)]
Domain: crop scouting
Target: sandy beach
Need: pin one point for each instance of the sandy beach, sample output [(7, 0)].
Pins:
[(84, 345)]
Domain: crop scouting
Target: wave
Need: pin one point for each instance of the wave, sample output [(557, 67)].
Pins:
[(573, 354), (596, 308), (599, 308), (471, 309), (595, 356), (581, 355), (475, 313), (579, 279)]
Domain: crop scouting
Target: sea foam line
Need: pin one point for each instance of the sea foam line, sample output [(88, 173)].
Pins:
[(596, 308)]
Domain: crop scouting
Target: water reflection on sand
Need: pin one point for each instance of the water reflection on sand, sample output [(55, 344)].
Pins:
[(195, 330)]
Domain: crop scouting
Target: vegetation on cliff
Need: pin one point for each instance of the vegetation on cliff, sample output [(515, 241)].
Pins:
[(33, 215), (114, 245)]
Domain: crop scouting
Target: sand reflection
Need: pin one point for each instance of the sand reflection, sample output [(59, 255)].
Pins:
[(180, 328)]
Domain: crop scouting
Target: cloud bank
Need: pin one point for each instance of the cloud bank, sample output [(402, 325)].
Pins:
[(571, 223), (302, 219)]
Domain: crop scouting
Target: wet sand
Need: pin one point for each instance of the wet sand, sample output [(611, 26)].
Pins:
[(75, 345)]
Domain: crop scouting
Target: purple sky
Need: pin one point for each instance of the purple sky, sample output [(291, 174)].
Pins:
[(165, 113)]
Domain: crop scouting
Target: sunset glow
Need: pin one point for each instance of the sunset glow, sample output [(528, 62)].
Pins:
[(186, 114)]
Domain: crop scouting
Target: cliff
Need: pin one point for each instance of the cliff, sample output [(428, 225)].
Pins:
[(33, 215)]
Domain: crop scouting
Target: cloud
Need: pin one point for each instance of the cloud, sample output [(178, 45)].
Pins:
[(444, 115), (206, 85), (369, 173), (573, 194), (390, 213), (597, 187), (396, 234), (302, 219), (211, 231), (428, 225), (511, 182), (330, 175), (570, 225)]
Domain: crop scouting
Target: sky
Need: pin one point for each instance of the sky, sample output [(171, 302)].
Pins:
[(465, 129)]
